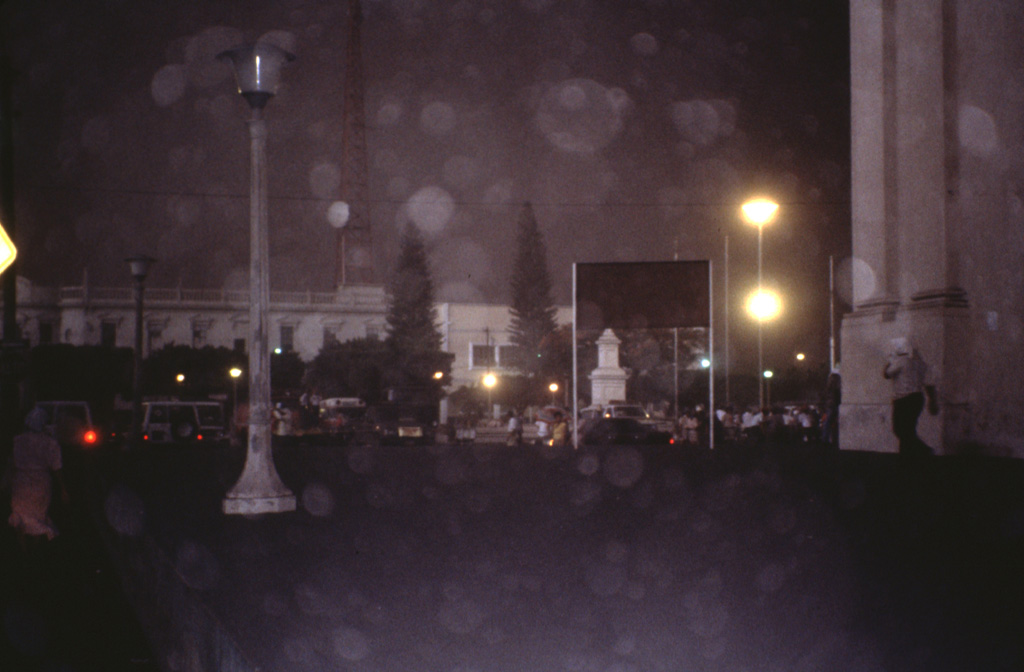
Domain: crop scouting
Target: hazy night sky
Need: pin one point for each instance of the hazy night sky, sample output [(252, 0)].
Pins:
[(632, 126)]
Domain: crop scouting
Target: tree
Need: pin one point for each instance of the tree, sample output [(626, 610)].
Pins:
[(413, 337), (533, 311), (351, 369)]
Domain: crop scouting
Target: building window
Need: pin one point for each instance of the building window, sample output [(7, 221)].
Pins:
[(506, 356), (287, 338), (481, 356), (200, 332), (108, 333), (154, 337), (45, 333), (239, 345), (330, 338)]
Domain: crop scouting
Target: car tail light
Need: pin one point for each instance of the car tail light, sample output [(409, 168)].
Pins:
[(199, 437), (90, 436)]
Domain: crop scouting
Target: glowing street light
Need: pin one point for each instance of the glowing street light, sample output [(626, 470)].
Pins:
[(235, 373), (180, 378), (759, 212), (800, 357), (764, 305), (553, 388), (489, 380), (768, 375)]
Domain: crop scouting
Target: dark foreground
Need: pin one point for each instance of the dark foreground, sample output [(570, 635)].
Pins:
[(487, 558)]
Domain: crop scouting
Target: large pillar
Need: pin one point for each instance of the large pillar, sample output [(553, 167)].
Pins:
[(905, 218)]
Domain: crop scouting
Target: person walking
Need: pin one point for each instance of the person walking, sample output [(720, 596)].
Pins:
[(910, 392), (34, 467)]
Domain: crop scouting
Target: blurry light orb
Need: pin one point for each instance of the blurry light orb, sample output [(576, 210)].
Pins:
[(317, 500), (235, 372), (338, 214), (644, 44), (430, 209), (759, 211), (324, 180), (855, 280), (490, 380), (769, 373), (553, 387), (763, 305), (389, 114), (800, 356), (572, 97), (705, 363), (180, 377), (168, 84), (437, 118)]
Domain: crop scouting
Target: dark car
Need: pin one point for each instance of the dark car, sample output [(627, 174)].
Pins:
[(624, 431), (400, 424)]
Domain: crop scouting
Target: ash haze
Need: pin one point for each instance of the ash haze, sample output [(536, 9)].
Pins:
[(636, 128)]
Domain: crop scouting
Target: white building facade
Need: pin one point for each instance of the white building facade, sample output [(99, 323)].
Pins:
[(478, 334)]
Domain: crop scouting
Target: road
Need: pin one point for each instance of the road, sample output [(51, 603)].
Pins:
[(483, 556), (62, 604)]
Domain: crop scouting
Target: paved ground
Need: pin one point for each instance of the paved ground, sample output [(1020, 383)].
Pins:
[(61, 603), (485, 558)]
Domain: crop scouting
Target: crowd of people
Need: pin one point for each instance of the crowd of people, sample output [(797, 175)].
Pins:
[(807, 423)]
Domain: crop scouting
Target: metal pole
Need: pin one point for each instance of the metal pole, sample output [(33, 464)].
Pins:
[(760, 322), (259, 489), (137, 371), (575, 372), (727, 400), (831, 315), (711, 356)]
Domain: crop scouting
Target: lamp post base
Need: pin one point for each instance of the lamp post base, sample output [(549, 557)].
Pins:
[(253, 505)]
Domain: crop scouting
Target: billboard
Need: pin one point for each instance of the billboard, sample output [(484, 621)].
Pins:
[(643, 295)]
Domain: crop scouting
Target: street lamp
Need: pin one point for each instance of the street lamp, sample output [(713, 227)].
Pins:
[(553, 388), (762, 305), (234, 372), (760, 212), (768, 383), (489, 381), (259, 489), (139, 266)]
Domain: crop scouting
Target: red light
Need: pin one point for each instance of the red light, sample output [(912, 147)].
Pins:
[(199, 437), (90, 436)]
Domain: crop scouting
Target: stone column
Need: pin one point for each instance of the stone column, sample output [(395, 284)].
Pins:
[(905, 261)]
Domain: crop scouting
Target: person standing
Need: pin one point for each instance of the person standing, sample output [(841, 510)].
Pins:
[(35, 466), (910, 392)]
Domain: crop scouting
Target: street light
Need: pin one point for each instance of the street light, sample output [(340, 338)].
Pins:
[(760, 212), (259, 489), (234, 372), (553, 388), (489, 381), (763, 305), (768, 383), (139, 266)]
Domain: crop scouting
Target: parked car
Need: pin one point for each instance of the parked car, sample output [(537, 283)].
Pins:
[(624, 431), (172, 421), (400, 424), (70, 422)]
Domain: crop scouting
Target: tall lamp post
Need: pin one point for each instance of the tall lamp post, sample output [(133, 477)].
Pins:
[(760, 212), (139, 266), (259, 489)]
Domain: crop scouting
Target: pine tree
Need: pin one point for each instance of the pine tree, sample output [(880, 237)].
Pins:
[(533, 311), (412, 333)]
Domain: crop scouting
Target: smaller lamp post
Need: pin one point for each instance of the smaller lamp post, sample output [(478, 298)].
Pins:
[(235, 373), (139, 266), (768, 374), (489, 381), (553, 388)]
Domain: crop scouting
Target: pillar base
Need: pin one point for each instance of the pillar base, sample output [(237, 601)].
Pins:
[(937, 325), (254, 505)]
